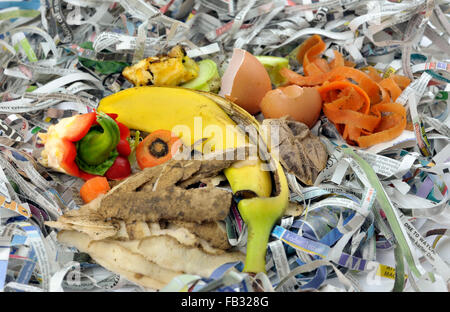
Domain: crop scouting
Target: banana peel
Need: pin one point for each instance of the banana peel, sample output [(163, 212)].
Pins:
[(260, 214), (249, 179), (262, 202), (189, 115)]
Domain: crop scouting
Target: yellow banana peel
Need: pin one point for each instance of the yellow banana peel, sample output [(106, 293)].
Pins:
[(260, 214), (195, 116), (249, 178), (188, 114)]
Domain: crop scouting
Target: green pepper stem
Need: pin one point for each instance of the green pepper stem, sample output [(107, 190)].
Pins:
[(258, 238)]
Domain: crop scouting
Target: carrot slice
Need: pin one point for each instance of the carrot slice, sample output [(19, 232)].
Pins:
[(372, 89), (356, 102), (349, 63), (401, 81), (93, 188), (338, 60), (341, 102), (322, 64), (346, 116), (344, 110), (157, 148), (311, 69), (374, 74), (337, 77), (354, 133), (387, 122), (345, 133), (368, 85), (333, 95), (314, 51), (306, 46), (340, 85), (390, 85), (303, 81), (390, 133), (347, 100), (313, 48)]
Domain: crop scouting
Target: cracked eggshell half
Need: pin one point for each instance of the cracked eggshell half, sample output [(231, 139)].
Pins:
[(293, 102), (245, 81)]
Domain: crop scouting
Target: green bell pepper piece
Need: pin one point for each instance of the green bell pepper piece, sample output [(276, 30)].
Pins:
[(96, 147)]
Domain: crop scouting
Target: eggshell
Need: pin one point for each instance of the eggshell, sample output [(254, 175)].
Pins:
[(301, 104), (245, 81)]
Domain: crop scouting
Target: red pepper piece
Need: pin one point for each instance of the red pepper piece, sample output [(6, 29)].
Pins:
[(119, 170), (87, 176), (69, 152), (124, 131), (79, 127), (123, 148), (112, 115)]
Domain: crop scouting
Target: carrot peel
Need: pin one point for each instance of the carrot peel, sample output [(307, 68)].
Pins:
[(93, 188), (361, 105)]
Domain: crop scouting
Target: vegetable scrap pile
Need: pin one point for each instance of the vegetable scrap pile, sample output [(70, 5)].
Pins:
[(191, 145), (355, 109)]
